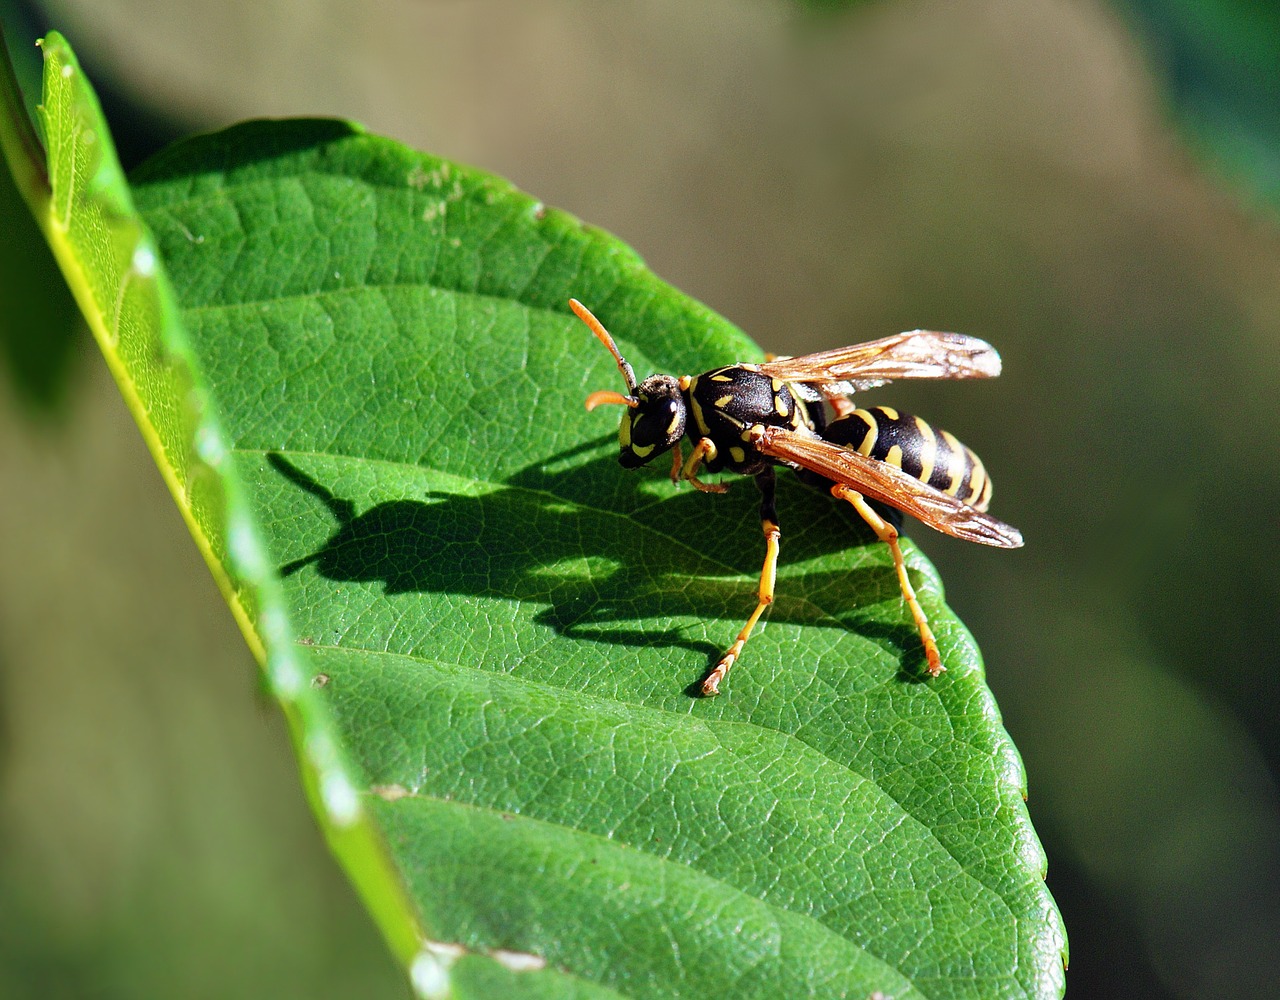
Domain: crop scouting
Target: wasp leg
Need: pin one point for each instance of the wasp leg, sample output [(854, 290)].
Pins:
[(705, 448), (772, 537), (841, 404), (677, 460), (888, 534)]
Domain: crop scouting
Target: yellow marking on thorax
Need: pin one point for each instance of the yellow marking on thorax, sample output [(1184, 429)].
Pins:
[(800, 415), (698, 419), (738, 454), (721, 378), (723, 401)]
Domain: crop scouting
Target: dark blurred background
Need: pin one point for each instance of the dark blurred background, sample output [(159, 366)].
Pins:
[(1090, 186)]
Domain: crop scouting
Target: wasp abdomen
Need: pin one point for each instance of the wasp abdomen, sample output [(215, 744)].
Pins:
[(933, 456)]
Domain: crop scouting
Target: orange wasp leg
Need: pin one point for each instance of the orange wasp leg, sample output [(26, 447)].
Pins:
[(768, 577), (841, 404), (888, 534), (677, 460), (705, 448)]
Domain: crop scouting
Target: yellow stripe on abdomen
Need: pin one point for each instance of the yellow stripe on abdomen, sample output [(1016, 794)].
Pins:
[(923, 452)]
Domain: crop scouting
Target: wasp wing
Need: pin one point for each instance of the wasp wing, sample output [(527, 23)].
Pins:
[(915, 354), (888, 484)]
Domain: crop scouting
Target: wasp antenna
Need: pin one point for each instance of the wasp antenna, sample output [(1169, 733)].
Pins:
[(596, 327), (609, 396)]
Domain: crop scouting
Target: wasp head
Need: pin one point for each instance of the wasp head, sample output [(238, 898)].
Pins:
[(655, 416), (655, 424)]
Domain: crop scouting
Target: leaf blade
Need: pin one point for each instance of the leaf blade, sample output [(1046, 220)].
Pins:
[(469, 552)]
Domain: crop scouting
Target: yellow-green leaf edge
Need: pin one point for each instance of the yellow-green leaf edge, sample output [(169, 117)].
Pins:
[(72, 181)]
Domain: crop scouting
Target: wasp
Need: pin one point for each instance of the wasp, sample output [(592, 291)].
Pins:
[(749, 418)]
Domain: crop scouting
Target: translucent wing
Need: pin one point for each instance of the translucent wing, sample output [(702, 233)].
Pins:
[(916, 354), (888, 484)]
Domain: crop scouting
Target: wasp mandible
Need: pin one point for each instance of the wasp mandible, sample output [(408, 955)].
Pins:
[(747, 418)]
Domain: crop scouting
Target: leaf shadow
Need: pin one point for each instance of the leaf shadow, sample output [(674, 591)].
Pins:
[(245, 144), (555, 538)]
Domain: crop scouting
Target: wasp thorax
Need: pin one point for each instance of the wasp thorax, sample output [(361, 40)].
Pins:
[(654, 424)]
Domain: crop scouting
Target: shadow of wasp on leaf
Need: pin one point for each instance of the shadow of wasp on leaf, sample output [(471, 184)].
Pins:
[(588, 543)]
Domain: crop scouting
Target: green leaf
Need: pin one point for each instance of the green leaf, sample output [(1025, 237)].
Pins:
[(503, 627)]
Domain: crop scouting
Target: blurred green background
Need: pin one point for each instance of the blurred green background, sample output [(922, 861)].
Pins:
[(1091, 187)]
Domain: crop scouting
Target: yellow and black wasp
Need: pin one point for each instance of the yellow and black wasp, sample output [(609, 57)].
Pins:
[(748, 418)]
